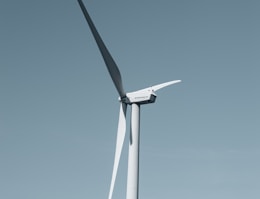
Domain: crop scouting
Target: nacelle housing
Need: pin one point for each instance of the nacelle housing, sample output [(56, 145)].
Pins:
[(144, 96)]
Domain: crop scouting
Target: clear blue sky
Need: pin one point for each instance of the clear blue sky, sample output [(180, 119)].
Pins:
[(59, 108)]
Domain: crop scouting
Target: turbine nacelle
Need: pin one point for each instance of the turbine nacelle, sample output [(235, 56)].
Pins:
[(144, 96)]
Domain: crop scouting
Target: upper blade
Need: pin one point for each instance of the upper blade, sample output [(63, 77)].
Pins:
[(110, 63), (119, 144)]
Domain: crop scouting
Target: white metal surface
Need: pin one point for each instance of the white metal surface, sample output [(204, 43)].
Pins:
[(133, 154)]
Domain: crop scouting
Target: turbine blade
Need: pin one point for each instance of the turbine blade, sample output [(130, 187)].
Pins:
[(119, 144), (110, 63), (160, 86)]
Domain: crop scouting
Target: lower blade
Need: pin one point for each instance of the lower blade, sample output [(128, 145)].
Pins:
[(121, 131)]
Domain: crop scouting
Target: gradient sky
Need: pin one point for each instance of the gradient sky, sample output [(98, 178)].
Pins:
[(59, 108)]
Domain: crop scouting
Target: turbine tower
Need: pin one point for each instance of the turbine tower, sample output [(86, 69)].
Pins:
[(135, 99)]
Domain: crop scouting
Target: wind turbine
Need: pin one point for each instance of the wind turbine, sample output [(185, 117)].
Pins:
[(135, 99)]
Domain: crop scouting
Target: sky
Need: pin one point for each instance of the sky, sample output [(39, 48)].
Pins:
[(59, 108)]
